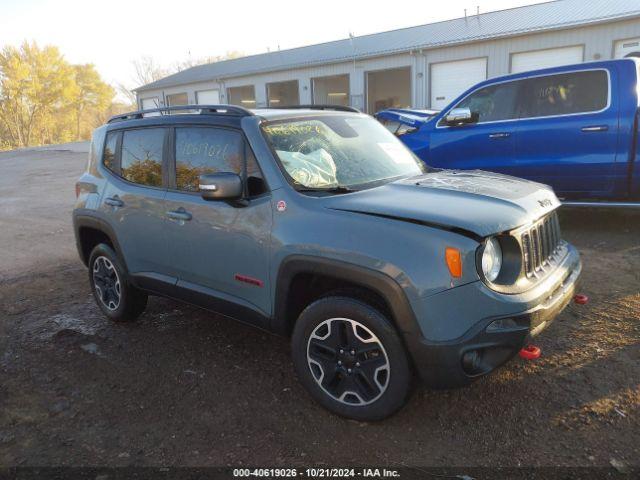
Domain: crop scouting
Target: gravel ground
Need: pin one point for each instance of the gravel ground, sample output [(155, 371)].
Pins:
[(186, 387)]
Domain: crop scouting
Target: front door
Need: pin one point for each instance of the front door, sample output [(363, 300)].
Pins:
[(219, 248), (488, 144)]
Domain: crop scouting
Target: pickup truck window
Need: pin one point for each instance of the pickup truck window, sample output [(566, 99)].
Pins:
[(565, 94), (494, 102)]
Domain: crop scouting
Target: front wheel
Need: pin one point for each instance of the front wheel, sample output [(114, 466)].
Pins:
[(350, 358), (114, 294)]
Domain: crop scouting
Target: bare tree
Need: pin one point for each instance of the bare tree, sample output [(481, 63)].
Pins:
[(148, 70)]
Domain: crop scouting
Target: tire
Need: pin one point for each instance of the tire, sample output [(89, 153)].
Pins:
[(369, 379), (111, 288)]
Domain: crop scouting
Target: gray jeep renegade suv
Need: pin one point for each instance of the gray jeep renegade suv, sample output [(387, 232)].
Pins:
[(319, 224)]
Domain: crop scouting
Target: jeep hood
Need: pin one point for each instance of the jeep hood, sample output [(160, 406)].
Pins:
[(475, 203)]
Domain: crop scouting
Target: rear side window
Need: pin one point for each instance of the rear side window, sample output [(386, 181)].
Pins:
[(141, 157), (566, 93), (494, 102), (109, 154)]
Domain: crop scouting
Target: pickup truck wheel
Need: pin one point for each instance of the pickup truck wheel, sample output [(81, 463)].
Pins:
[(116, 297), (350, 358)]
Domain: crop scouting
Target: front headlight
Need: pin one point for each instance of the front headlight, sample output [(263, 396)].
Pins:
[(491, 259)]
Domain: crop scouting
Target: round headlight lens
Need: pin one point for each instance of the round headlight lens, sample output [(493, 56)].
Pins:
[(491, 259)]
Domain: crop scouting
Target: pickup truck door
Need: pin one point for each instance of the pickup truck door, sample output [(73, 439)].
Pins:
[(219, 250), (488, 144), (567, 133)]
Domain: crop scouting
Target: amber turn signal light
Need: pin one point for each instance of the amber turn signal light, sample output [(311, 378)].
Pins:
[(454, 262)]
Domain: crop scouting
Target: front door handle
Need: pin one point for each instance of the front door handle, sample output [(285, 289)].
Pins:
[(595, 128), (114, 201), (180, 214), (499, 135)]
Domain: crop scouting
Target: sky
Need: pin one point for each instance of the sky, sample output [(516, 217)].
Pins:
[(112, 34)]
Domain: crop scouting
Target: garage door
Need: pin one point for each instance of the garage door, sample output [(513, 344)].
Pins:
[(208, 97), (553, 57), (450, 79), (625, 48)]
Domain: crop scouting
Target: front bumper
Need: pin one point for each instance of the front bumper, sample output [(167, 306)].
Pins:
[(497, 337)]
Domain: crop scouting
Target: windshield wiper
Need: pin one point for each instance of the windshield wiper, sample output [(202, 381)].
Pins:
[(338, 189)]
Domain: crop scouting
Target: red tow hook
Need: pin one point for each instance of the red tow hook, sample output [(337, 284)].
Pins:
[(530, 352), (580, 299)]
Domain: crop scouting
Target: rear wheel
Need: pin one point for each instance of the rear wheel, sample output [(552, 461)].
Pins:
[(114, 294), (350, 358)]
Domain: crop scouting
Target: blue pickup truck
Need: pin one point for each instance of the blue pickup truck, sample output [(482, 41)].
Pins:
[(573, 127)]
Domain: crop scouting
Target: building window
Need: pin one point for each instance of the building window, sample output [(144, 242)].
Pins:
[(243, 96), (388, 89), (331, 90), (283, 93), (177, 99)]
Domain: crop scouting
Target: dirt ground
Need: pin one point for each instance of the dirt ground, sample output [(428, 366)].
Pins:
[(186, 387)]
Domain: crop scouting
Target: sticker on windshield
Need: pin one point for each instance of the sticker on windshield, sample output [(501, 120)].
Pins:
[(398, 153)]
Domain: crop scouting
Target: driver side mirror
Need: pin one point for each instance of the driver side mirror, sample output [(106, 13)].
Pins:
[(460, 116), (220, 186)]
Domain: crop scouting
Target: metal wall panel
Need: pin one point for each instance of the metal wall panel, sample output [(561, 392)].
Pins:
[(599, 43)]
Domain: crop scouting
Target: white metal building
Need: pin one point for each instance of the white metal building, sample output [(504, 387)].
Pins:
[(423, 67)]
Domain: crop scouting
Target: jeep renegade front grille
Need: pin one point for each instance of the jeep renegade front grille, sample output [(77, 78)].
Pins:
[(540, 243)]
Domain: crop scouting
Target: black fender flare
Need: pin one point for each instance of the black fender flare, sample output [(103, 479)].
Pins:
[(90, 219), (374, 280)]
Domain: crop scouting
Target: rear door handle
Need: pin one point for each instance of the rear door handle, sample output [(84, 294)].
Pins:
[(499, 135), (180, 214), (114, 201), (595, 128)]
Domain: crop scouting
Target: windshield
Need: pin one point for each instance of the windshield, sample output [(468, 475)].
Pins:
[(328, 152)]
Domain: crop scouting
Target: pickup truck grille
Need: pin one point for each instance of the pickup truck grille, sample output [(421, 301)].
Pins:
[(540, 244)]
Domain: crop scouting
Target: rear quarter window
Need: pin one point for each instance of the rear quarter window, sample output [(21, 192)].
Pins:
[(109, 153), (566, 93)]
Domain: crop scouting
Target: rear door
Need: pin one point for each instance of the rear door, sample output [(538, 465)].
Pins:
[(488, 144), (133, 197), (567, 133), (218, 248)]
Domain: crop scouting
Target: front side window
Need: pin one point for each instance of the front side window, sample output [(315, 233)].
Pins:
[(202, 150), (494, 102), (566, 93), (141, 158), (325, 152)]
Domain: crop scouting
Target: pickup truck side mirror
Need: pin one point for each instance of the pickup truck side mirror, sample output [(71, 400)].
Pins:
[(460, 116), (221, 186)]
